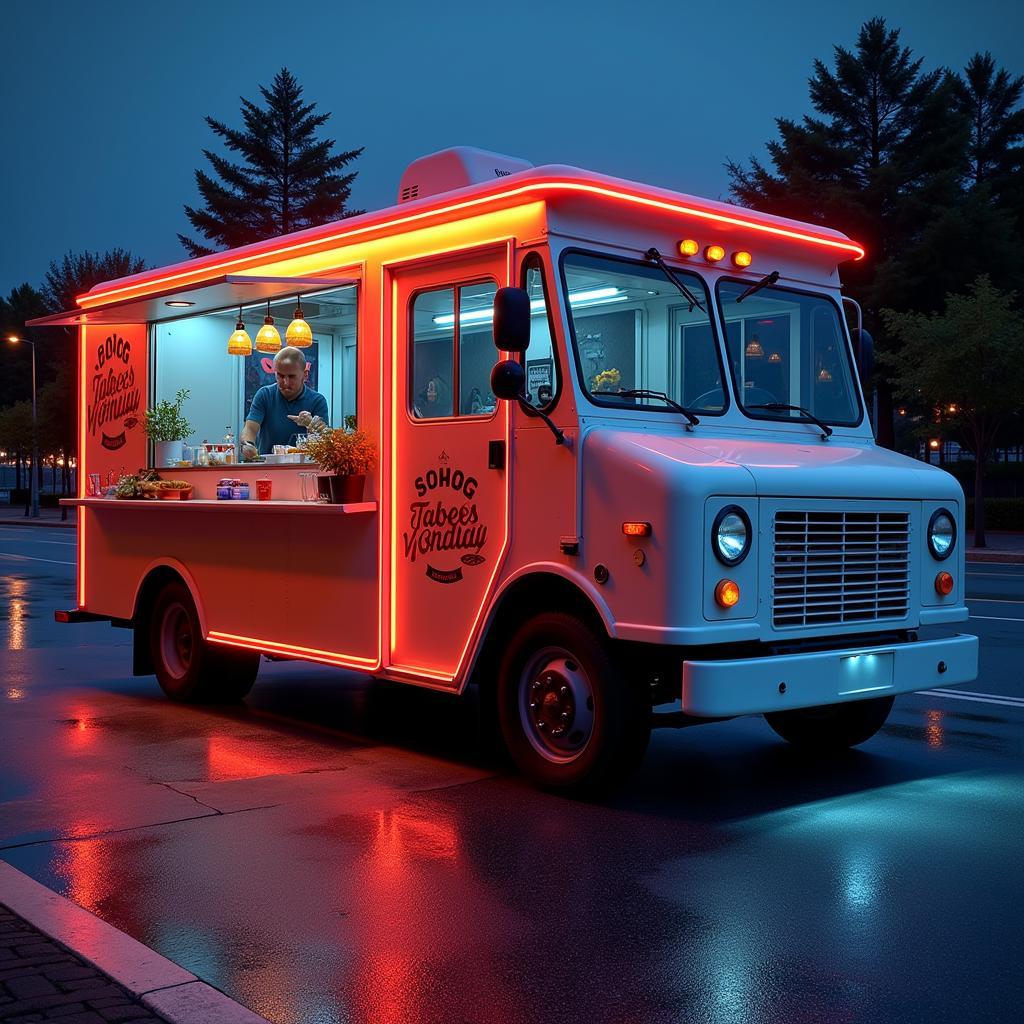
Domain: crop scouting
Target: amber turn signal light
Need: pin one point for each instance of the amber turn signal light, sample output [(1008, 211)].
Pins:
[(688, 247), (742, 258), (727, 593), (636, 529), (944, 584), (714, 253)]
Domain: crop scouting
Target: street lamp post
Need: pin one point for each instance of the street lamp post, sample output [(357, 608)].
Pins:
[(34, 477)]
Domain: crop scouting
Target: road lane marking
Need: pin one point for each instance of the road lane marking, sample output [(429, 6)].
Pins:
[(1002, 701), (974, 693), (996, 600), (998, 575), (58, 543), (31, 558), (995, 618)]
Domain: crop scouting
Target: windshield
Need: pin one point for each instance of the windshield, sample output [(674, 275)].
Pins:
[(632, 328), (788, 348)]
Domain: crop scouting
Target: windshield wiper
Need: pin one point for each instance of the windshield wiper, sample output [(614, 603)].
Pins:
[(826, 430), (758, 285), (654, 256), (692, 421)]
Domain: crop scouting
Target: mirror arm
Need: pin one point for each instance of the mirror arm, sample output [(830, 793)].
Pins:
[(525, 405)]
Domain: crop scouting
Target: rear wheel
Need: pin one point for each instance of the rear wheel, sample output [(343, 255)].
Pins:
[(833, 726), (569, 719), (187, 667)]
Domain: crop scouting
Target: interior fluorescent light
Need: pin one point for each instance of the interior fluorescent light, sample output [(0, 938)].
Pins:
[(593, 296)]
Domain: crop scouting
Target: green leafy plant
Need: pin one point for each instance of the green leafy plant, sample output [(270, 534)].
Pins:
[(164, 421), (345, 452)]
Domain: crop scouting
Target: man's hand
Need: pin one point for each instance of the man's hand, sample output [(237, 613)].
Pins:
[(250, 453), (302, 419)]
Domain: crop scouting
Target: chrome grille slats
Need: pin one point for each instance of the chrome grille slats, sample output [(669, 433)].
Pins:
[(839, 566)]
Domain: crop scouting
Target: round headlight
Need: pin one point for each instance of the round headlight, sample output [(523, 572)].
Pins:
[(730, 535), (941, 534)]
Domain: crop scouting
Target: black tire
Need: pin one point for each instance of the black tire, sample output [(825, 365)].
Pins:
[(558, 663), (833, 726), (188, 668)]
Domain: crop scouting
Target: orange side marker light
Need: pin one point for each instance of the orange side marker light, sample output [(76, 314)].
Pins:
[(714, 253), (727, 593), (636, 529), (689, 247), (742, 258), (944, 584)]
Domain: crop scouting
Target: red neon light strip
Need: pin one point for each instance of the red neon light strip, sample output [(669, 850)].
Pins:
[(213, 269), (306, 653), (82, 468)]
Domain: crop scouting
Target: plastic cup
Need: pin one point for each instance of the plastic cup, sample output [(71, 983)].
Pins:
[(264, 487)]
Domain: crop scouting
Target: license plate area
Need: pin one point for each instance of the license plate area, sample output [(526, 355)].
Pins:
[(865, 673)]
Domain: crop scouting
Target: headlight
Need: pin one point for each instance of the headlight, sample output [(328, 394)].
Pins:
[(941, 534), (730, 535)]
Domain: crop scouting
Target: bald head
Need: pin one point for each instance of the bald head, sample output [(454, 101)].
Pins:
[(290, 354), (290, 370)]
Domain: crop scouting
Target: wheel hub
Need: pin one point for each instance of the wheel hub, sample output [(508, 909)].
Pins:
[(557, 705)]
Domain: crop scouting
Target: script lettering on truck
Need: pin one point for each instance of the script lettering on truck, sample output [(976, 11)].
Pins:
[(114, 394), (444, 518)]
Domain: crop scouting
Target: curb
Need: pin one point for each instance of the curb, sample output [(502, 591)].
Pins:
[(68, 524), (994, 555), (167, 989)]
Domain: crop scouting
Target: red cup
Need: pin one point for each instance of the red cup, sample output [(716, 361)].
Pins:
[(263, 489)]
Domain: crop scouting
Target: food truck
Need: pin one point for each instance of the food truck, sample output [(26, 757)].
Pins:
[(624, 464)]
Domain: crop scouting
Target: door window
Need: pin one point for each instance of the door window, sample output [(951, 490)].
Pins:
[(452, 351)]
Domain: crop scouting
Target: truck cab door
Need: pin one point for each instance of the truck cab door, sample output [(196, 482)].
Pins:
[(449, 487)]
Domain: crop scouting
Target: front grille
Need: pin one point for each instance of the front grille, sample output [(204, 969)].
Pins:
[(839, 567)]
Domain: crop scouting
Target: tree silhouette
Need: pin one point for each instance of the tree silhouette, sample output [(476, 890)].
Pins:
[(289, 178), (76, 273)]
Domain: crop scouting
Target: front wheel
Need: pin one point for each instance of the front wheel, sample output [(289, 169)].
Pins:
[(187, 667), (570, 721), (833, 726)]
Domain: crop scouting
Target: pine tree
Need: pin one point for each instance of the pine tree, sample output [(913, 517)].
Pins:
[(883, 160), (289, 178), (76, 273), (988, 98)]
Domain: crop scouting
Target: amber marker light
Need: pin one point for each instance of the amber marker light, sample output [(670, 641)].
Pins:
[(714, 253), (689, 247), (944, 584), (742, 258), (636, 529), (727, 593)]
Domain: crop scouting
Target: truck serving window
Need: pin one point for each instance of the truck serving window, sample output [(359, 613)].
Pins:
[(788, 348), (452, 351), (632, 328)]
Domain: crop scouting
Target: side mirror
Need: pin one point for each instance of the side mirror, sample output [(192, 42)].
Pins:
[(508, 379), (511, 320), (864, 350)]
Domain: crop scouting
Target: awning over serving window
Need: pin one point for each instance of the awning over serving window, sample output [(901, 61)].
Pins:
[(226, 292)]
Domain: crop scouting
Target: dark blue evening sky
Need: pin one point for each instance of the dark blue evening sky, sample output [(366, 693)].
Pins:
[(103, 102)]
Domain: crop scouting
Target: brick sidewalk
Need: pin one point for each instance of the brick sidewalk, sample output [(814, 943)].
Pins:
[(40, 980)]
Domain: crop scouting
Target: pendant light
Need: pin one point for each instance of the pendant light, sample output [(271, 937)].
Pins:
[(754, 348), (240, 344), (268, 340), (298, 334)]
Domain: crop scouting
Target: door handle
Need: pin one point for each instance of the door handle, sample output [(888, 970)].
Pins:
[(495, 454)]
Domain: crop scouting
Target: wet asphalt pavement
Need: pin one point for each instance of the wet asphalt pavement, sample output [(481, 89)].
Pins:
[(341, 851)]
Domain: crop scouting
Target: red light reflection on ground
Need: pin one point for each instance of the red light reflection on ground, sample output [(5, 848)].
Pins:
[(934, 731)]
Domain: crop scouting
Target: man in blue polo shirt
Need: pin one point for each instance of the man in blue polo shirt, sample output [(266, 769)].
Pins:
[(281, 410)]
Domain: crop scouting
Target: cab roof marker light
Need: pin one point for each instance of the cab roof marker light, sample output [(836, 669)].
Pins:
[(689, 247), (742, 258), (319, 242), (714, 253)]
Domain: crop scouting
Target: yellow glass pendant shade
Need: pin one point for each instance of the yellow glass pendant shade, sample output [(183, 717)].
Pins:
[(240, 344), (299, 334), (269, 338)]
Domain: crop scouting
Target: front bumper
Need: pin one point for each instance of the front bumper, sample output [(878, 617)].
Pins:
[(746, 686)]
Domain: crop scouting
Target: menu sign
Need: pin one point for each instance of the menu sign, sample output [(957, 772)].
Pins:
[(114, 378)]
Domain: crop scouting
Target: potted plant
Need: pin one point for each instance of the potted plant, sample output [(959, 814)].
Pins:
[(167, 428), (345, 457)]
